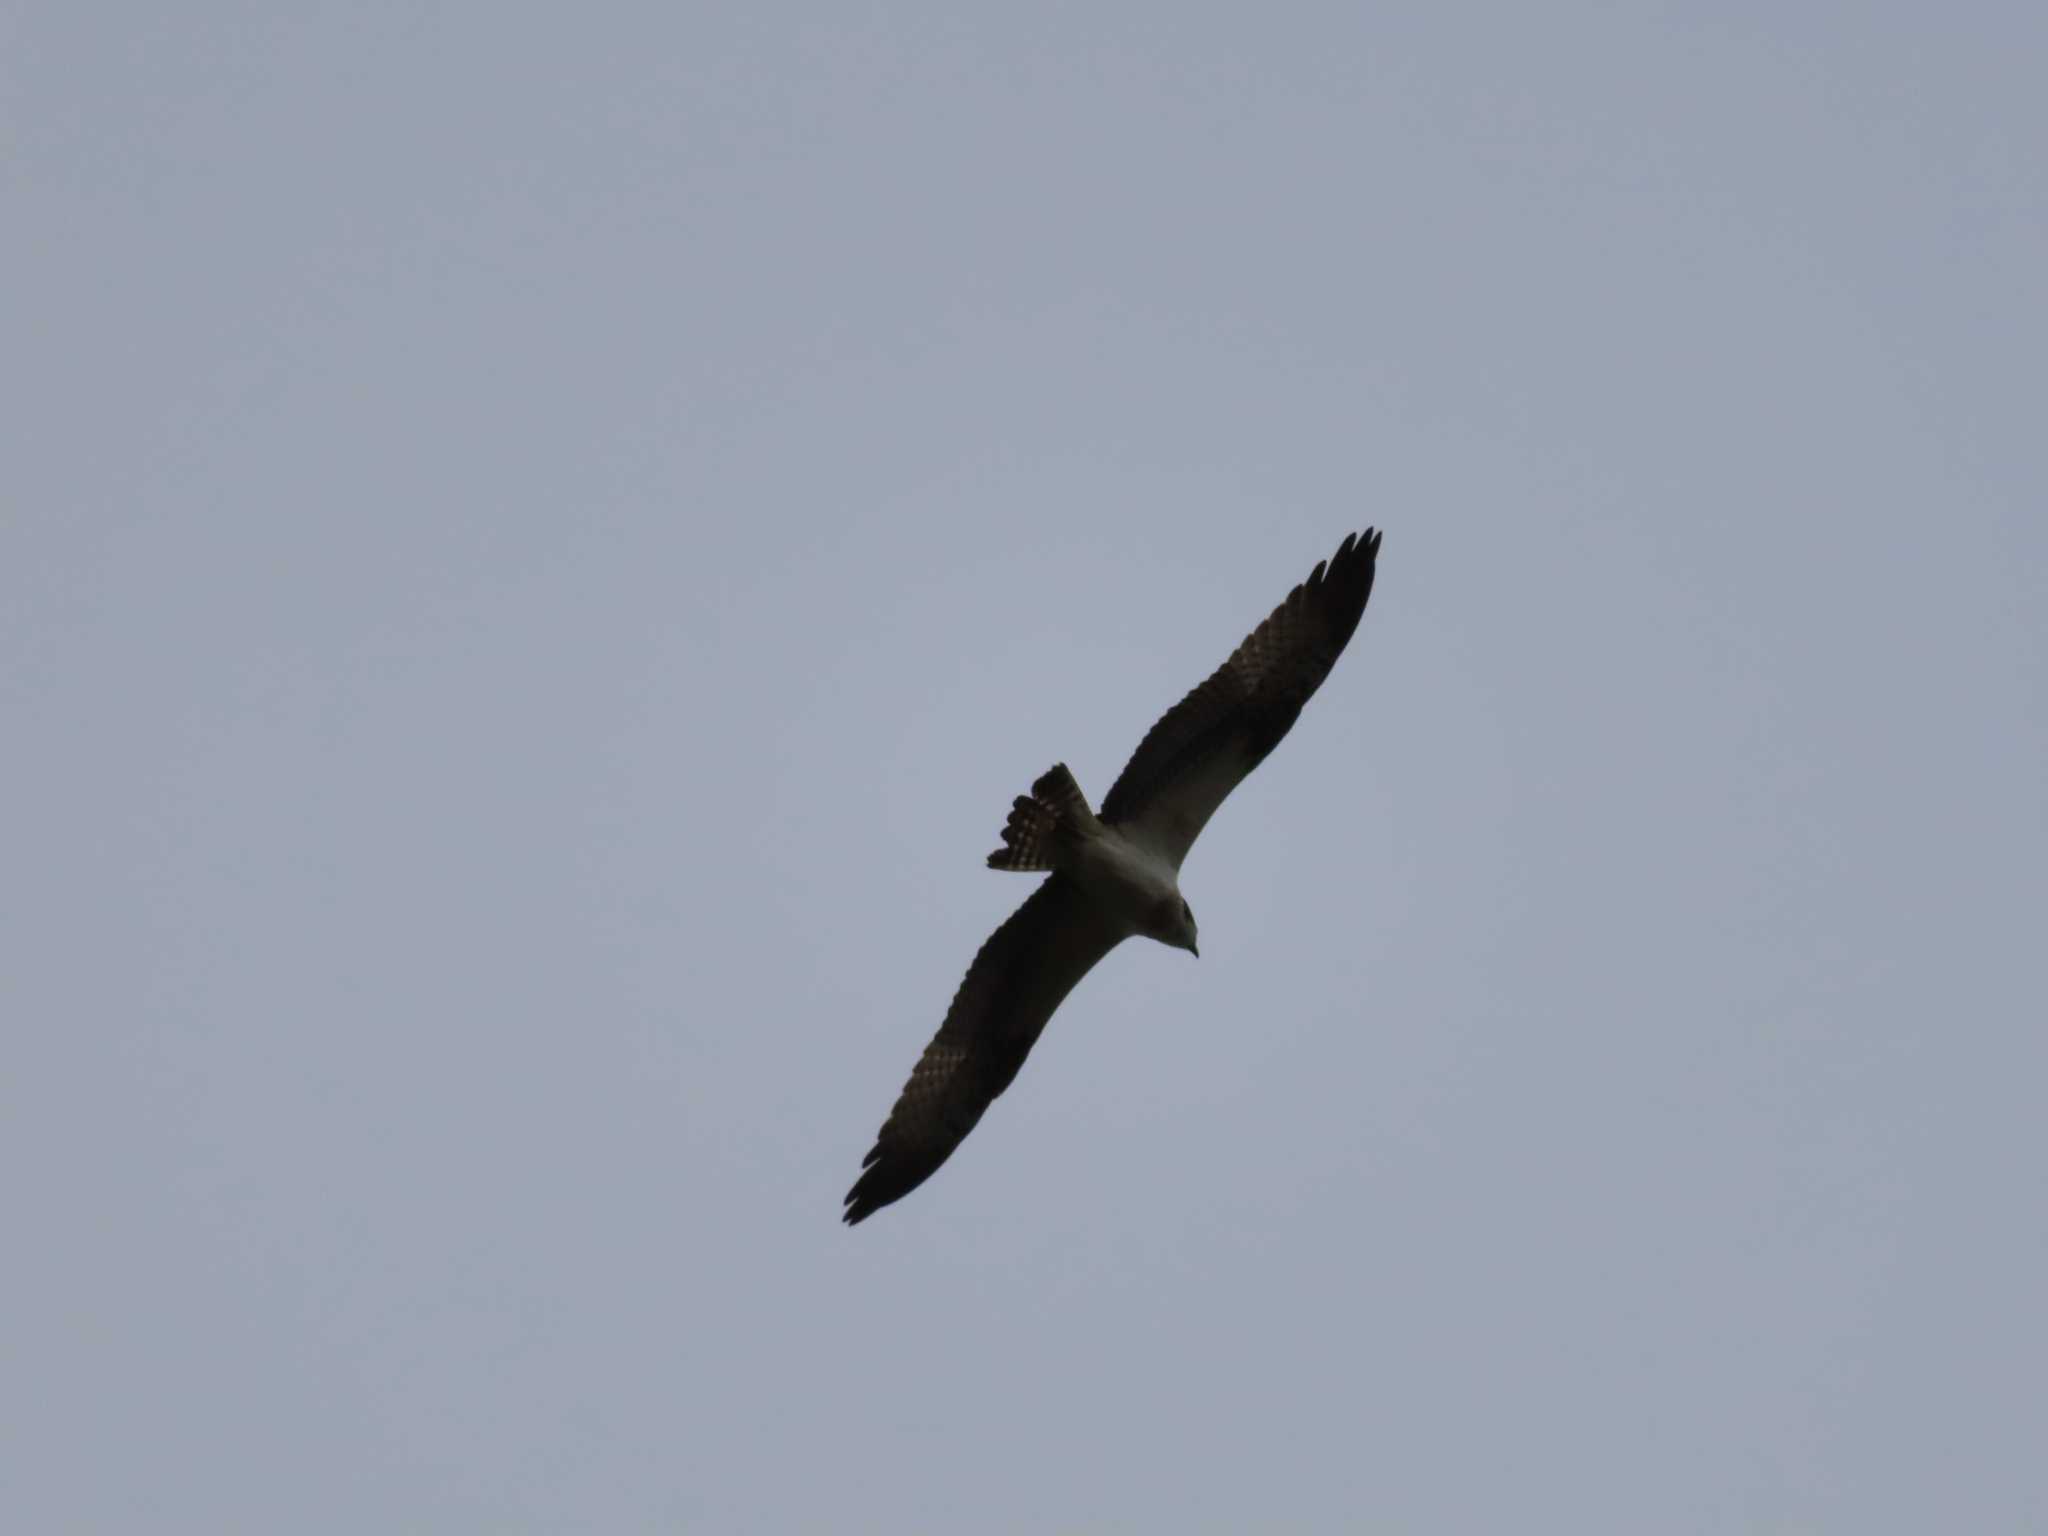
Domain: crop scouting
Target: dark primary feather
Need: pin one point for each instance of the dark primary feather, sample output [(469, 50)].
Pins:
[(1019, 978), (1205, 745)]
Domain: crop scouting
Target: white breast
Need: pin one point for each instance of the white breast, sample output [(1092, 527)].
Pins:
[(1126, 877)]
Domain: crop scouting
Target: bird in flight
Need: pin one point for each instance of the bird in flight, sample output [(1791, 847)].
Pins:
[(1112, 874)]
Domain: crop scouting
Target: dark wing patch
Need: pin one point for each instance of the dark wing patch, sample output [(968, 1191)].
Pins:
[(1022, 974), (1203, 747)]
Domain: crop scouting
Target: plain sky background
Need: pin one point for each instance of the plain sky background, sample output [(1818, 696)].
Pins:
[(539, 545)]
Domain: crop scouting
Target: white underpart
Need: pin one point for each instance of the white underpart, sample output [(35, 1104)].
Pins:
[(1128, 878)]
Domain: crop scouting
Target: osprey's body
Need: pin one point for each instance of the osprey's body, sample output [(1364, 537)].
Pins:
[(1140, 887), (1133, 884), (1111, 876)]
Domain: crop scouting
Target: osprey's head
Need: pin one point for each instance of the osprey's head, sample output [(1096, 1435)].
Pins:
[(1173, 922)]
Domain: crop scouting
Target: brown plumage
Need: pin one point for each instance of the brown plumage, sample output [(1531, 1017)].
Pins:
[(1205, 745), (1185, 766), (1053, 816), (1021, 975)]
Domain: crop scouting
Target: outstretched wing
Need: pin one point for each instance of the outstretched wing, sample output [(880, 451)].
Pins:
[(1021, 975), (1208, 742)]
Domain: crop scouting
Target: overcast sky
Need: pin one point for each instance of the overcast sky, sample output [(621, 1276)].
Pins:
[(538, 546)]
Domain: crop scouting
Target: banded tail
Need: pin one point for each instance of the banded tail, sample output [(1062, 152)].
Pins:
[(1046, 826)]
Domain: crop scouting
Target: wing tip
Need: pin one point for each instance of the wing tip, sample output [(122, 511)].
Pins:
[(860, 1201), (1358, 551), (882, 1183), (1356, 546), (1352, 569)]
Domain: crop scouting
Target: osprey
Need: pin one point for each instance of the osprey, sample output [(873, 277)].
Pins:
[(1112, 875)]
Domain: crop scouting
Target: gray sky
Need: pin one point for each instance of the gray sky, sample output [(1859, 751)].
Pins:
[(537, 550)]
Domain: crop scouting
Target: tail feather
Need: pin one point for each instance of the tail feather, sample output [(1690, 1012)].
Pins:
[(1046, 824)]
